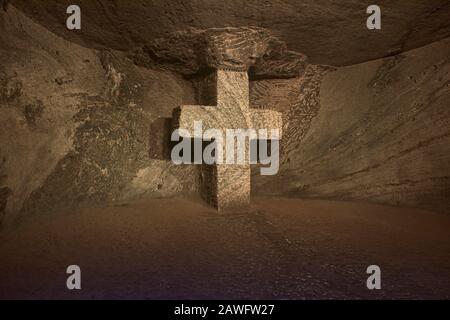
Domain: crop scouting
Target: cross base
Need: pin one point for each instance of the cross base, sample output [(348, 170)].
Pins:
[(226, 187)]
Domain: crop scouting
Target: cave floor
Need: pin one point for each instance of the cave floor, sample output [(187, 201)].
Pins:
[(179, 248)]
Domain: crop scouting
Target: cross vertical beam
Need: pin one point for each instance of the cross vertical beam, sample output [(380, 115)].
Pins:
[(226, 186)]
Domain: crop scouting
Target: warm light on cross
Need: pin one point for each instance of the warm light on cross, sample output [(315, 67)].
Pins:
[(227, 185)]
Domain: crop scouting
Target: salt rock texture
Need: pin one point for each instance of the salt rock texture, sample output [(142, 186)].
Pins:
[(329, 32), (251, 49), (80, 126), (227, 186), (95, 125), (381, 134), (83, 124)]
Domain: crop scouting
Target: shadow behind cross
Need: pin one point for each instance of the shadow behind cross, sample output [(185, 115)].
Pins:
[(160, 144)]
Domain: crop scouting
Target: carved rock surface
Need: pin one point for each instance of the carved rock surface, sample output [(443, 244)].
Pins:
[(238, 49), (329, 32), (80, 126), (381, 134)]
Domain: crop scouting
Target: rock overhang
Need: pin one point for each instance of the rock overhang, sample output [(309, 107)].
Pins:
[(192, 52)]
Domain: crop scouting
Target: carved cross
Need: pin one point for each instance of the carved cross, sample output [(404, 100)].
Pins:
[(226, 186)]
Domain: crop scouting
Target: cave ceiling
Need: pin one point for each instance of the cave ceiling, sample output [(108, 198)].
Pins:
[(328, 32)]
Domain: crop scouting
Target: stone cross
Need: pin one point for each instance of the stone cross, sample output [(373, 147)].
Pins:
[(225, 94)]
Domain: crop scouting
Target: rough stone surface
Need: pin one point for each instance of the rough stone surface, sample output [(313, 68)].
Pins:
[(227, 185), (381, 135), (329, 32), (298, 101), (80, 126), (85, 124), (240, 49), (36, 126)]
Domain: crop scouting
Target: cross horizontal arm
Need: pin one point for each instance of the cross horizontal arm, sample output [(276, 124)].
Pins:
[(187, 115)]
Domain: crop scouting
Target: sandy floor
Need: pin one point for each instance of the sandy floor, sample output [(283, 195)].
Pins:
[(179, 248)]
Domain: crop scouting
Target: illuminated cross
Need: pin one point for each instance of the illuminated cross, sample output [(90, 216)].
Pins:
[(226, 186)]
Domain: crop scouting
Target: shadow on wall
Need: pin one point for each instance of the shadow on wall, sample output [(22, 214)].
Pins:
[(159, 139)]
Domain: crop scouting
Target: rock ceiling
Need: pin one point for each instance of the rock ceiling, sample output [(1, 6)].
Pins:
[(328, 32), (239, 49)]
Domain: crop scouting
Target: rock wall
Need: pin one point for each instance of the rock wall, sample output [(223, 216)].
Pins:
[(80, 126), (381, 134), (86, 127)]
